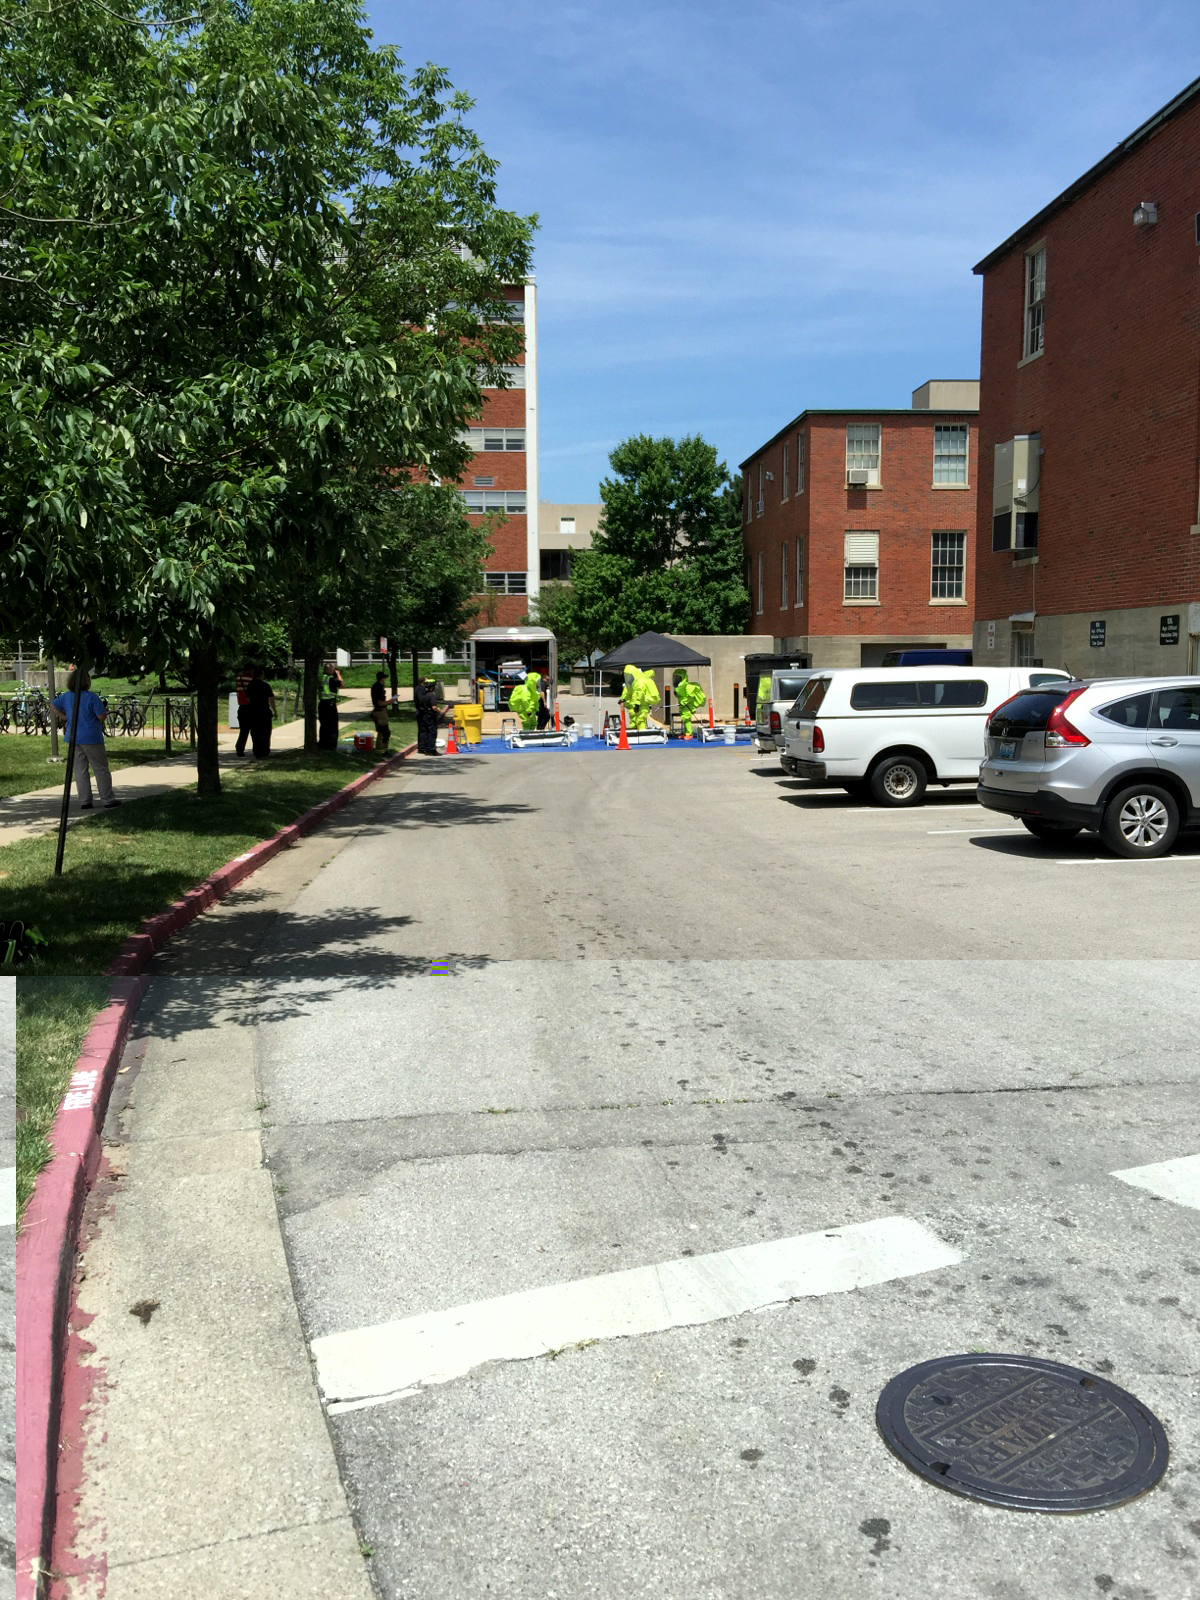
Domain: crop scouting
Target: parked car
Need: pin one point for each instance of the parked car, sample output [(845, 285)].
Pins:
[(785, 686), (1119, 756), (928, 658), (886, 734)]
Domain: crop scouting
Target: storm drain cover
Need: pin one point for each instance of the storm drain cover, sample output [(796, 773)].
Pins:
[(1019, 1432)]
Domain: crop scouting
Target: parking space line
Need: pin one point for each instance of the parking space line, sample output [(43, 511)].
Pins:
[(368, 1366), (1177, 1180), (1118, 861)]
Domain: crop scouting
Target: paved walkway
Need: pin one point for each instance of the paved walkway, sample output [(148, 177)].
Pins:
[(26, 816)]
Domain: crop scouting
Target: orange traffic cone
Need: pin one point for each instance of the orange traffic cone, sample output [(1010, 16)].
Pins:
[(623, 741), (557, 723), (711, 723), (451, 745)]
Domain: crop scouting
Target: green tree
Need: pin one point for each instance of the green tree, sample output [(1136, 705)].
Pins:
[(668, 552), (248, 265), (556, 608)]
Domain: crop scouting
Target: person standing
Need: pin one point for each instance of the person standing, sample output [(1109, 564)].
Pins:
[(90, 756), (379, 712), (261, 698), (425, 696), (243, 708)]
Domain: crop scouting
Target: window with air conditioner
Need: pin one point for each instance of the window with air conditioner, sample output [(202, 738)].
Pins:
[(862, 454), (861, 566), (1016, 493), (1035, 302)]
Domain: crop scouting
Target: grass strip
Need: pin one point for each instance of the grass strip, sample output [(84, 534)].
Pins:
[(122, 867), (25, 762), (53, 1016)]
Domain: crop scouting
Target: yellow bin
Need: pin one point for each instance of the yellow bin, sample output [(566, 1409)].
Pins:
[(469, 722)]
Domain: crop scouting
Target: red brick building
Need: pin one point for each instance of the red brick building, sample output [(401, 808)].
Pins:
[(503, 475), (859, 529), (1089, 483)]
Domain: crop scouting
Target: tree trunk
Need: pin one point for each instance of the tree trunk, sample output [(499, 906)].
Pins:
[(394, 668), (312, 684), (206, 675)]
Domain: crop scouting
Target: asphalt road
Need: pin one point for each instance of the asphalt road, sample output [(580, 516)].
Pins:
[(591, 1031)]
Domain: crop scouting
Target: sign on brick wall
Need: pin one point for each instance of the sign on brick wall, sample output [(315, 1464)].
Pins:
[(1096, 634), (1168, 629)]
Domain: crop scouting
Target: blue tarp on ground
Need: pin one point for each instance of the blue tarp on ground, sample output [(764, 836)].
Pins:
[(496, 746)]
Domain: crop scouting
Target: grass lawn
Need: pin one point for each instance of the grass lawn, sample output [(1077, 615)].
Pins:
[(363, 677), (25, 759), (123, 867), (53, 1014)]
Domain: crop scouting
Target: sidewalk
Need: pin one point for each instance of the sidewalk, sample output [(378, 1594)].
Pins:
[(27, 816)]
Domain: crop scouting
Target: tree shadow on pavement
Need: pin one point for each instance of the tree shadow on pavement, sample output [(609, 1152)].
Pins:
[(413, 808)]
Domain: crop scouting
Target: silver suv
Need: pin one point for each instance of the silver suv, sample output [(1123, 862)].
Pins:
[(1118, 755)]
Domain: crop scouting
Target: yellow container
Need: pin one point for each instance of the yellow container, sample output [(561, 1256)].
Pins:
[(469, 721)]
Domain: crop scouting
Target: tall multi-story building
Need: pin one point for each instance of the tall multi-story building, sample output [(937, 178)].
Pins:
[(563, 530), (859, 529), (503, 476), (1089, 483)]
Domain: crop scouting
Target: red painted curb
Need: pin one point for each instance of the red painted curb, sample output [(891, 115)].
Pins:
[(49, 1228)]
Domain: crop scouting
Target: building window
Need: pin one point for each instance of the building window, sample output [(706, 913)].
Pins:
[(785, 476), (950, 454), (1035, 302), (760, 583), (483, 483), (759, 506), (556, 565), (799, 584), (492, 439), (862, 449), (505, 583), (799, 463), (477, 501), (862, 566), (1022, 647), (515, 377), (516, 310), (566, 525), (749, 504), (949, 565), (783, 576)]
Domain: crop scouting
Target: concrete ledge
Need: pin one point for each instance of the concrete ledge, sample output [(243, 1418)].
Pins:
[(46, 1243)]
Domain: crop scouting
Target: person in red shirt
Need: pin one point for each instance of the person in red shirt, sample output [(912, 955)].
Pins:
[(243, 709)]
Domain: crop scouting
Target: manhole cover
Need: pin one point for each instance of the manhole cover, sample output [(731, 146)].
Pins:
[(1019, 1432)]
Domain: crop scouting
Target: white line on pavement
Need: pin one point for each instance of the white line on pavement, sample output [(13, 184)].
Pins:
[(932, 831), (1177, 1180), (8, 1197), (1118, 861), (368, 1366)]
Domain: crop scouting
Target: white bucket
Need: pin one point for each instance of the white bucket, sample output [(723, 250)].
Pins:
[(730, 735), (586, 731)]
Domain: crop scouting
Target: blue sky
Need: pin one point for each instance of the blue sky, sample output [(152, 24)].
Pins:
[(749, 209)]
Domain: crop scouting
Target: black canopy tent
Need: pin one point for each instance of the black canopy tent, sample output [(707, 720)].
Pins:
[(649, 650)]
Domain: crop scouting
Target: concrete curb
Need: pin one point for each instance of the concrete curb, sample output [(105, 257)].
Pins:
[(46, 1242)]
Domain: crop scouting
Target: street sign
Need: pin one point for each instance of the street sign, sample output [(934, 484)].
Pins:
[(1096, 634), (1168, 629), (991, 636), (383, 646)]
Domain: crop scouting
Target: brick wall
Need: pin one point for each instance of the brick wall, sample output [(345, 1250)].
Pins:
[(1115, 393), (904, 511)]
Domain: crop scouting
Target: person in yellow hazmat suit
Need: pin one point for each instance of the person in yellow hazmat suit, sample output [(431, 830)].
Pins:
[(524, 700), (690, 697), (639, 694)]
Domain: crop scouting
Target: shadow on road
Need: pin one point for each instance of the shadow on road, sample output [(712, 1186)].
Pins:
[(838, 800), (412, 808)]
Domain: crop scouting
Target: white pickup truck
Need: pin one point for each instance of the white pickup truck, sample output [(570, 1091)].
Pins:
[(785, 686)]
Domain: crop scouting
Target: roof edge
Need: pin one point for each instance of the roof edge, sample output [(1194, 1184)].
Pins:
[(860, 411), (1072, 192)]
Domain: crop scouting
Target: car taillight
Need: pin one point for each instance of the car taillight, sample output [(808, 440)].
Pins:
[(818, 741), (1059, 732), (776, 722)]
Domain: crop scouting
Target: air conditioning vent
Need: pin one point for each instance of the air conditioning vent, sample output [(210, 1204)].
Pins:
[(858, 477)]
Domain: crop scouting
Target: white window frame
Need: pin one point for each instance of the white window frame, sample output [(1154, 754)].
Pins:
[(510, 440), (786, 468), (783, 574), (938, 570), (951, 461), (505, 583), (798, 585), (478, 502), (1034, 325), (857, 548), (515, 376), (759, 505), (859, 454)]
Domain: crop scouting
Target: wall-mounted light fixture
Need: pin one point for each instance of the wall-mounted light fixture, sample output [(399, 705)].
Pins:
[(1145, 214), (770, 477)]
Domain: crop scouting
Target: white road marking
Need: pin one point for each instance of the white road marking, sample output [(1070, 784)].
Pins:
[(1118, 861), (8, 1197), (368, 1366), (1177, 1180)]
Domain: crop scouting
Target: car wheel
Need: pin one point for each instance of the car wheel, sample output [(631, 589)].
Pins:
[(898, 781), (1051, 832), (1140, 822)]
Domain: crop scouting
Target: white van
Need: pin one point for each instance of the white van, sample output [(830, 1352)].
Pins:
[(888, 732)]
